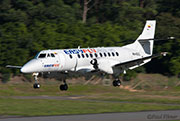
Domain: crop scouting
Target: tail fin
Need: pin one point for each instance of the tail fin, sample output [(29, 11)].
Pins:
[(144, 43), (148, 31)]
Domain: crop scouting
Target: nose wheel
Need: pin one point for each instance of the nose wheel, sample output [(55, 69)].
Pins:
[(116, 83), (36, 86), (63, 87)]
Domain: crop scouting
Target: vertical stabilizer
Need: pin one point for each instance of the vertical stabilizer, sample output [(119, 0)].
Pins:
[(144, 43), (149, 30)]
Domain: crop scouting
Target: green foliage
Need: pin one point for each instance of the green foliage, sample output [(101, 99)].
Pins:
[(27, 27), (129, 75), (175, 65), (6, 77), (28, 77)]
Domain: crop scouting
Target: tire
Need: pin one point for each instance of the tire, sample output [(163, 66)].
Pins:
[(36, 86), (63, 87), (118, 83), (114, 83)]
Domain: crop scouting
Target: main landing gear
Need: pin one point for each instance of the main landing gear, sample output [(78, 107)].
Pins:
[(63, 87), (116, 83), (36, 85)]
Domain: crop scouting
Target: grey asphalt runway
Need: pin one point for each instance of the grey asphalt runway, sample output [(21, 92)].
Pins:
[(127, 116)]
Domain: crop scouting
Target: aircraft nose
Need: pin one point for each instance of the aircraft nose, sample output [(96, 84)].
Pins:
[(24, 69), (31, 67)]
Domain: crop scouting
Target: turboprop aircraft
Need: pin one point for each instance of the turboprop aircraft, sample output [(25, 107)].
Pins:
[(109, 60)]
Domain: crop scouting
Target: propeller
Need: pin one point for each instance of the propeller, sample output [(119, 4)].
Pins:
[(94, 63)]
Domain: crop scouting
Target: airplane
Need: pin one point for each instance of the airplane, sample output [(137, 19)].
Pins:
[(109, 60)]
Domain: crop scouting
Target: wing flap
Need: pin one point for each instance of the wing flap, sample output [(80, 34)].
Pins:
[(138, 61)]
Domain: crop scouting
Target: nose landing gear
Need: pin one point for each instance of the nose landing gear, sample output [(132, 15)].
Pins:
[(36, 85), (63, 87)]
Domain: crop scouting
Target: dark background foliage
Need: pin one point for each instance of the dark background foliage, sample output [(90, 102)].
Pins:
[(28, 26)]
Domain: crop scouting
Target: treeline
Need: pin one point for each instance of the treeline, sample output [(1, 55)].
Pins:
[(28, 26)]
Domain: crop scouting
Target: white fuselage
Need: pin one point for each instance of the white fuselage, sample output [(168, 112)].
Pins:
[(78, 59)]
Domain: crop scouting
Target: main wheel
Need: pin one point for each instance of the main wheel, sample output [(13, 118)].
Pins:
[(63, 87), (36, 86), (116, 83)]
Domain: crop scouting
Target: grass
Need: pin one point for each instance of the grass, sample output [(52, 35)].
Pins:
[(96, 92), (39, 107), (93, 99)]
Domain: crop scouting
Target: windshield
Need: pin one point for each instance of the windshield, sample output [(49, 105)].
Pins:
[(42, 55)]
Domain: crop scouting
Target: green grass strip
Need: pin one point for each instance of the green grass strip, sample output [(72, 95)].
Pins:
[(40, 107)]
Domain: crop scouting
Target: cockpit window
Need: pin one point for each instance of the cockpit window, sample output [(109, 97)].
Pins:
[(48, 55), (52, 55), (43, 55)]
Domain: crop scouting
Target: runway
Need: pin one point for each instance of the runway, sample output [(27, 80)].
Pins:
[(127, 116)]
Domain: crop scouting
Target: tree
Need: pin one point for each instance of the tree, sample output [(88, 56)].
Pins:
[(141, 3), (86, 8)]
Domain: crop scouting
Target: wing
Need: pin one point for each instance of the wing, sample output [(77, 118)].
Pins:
[(113, 66), (10, 66), (138, 62)]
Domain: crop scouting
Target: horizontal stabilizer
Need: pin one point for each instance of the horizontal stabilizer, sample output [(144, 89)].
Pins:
[(145, 40)]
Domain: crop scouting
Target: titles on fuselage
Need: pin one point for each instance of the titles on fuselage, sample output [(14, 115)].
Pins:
[(136, 53), (78, 51), (51, 65)]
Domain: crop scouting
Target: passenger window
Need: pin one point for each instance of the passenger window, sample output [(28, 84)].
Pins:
[(91, 55), (117, 53), (113, 54), (82, 55), (109, 54), (96, 55), (100, 54), (70, 56), (105, 54), (87, 55), (79, 56), (52, 55), (43, 55)]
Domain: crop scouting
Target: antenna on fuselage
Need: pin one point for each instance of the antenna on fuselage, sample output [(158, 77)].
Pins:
[(79, 47)]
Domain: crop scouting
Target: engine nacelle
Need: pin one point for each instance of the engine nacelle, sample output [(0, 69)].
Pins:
[(104, 65)]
